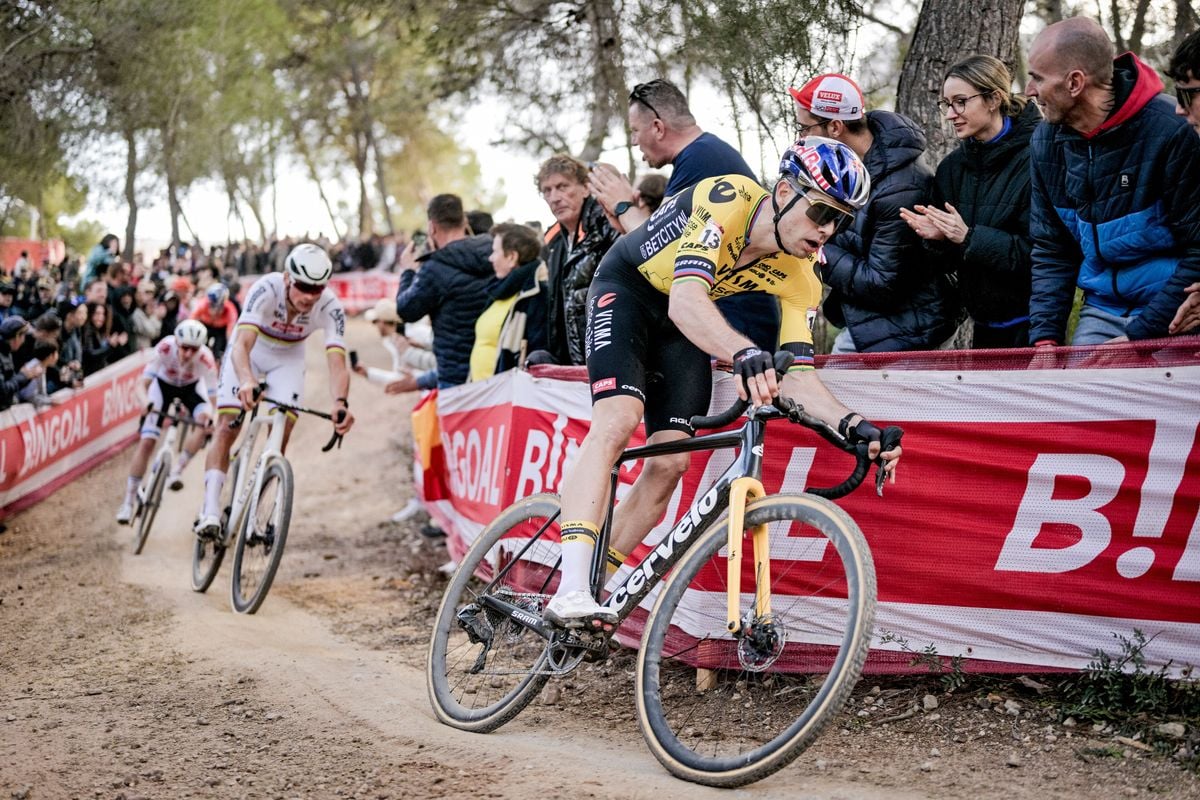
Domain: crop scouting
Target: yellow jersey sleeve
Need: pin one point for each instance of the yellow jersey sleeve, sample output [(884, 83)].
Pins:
[(716, 230)]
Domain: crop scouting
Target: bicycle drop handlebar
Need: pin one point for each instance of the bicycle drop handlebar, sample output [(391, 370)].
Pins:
[(785, 407), (335, 440)]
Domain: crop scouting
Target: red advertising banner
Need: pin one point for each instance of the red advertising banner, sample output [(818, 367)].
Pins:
[(1037, 512), (357, 291), (40, 450)]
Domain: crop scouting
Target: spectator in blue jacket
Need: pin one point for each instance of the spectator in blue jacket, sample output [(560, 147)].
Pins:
[(450, 285), (1116, 192)]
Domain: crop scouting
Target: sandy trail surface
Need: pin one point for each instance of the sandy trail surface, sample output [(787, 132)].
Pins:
[(116, 680)]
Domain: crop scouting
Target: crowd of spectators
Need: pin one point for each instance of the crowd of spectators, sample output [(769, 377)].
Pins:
[(1002, 233)]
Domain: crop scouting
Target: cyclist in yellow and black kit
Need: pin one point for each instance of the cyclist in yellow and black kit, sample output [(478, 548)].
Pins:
[(653, 329)]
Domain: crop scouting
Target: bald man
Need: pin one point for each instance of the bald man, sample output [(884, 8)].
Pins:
[(1116, 192)]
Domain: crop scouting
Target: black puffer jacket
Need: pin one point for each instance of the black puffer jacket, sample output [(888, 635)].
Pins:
[(451, 287), (887, 290), (989, 186), (571, 271), (12, 381)]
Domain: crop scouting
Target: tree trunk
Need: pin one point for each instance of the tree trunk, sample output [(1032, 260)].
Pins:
[(1185, 21), (1117, 22), (173, 206), (131, 170), (380, 177), (306, 155), (249, 199), (1139, 26), (946, 32), (608, 75)]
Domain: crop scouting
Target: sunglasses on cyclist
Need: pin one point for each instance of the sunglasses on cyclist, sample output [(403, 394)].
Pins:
[(822, 212), (188, 348), (307, 288)]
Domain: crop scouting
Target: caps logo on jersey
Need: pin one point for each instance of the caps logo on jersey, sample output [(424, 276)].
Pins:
[(606, 300), (604, 385)]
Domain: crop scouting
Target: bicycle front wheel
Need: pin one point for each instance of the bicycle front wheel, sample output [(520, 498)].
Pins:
[(149, 507), (727, 711), (207, 554), (260, 541), (483, 668)]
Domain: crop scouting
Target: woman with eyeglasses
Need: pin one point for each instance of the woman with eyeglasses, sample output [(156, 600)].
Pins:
[(977, 220)]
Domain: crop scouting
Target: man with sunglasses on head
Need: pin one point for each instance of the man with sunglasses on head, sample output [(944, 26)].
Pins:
[(282, 310), (886, 294), (182, 368), (653, 328), (1115, 207), (662, 126)]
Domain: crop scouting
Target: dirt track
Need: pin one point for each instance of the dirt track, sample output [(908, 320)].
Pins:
[(116, 680)]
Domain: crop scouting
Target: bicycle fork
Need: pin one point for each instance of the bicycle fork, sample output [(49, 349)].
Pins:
[(741, 491)]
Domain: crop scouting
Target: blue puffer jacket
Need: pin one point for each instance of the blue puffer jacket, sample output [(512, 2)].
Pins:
[(1116, 212), (452, 288)]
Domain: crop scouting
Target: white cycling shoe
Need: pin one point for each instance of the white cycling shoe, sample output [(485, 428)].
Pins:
[(208, 527), (175, 479), (575, 609), (125, 512)]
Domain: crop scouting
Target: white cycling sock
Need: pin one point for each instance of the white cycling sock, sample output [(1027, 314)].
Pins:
[(214, 480), (578, 543), (131, 486)]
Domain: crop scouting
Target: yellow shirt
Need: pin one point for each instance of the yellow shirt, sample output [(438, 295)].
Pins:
[(487, 337)]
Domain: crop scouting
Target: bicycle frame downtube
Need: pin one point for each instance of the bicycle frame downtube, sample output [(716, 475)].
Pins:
[(699, 518)]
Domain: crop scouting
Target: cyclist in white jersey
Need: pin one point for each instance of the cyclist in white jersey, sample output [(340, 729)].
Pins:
[(183, 367), (282, 310)]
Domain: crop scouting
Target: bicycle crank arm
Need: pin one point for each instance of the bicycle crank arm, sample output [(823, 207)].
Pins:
[(741, 491)]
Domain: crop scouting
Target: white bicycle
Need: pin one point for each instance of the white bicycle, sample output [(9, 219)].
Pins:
[(256, 507), (150, 494)]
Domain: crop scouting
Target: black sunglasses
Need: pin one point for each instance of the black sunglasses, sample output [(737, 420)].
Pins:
[(1185, 94), (307, 288), (640, 94)]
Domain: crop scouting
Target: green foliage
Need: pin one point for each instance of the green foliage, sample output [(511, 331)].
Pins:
[(949, 669), (1123, 690), (430, 162)]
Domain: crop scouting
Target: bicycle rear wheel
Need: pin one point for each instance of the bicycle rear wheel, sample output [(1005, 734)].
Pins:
[(148, 508), (484, 669), (260, 541), (727, 711)]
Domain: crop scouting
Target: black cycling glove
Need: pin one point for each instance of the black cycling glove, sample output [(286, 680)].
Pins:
[(749, 362), (864, 431)]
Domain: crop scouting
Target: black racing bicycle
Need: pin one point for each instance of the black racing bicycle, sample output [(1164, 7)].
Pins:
[(742, 662)]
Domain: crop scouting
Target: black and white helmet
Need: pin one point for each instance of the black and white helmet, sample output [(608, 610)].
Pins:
[(308, 263)]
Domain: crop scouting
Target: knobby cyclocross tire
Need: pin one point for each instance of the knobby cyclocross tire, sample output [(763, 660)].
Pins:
[(207, 554), (726, 712), (483, 669), (260, 541), (149, 508)]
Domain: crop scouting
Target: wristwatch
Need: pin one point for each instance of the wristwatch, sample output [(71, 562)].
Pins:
[(621, 207)]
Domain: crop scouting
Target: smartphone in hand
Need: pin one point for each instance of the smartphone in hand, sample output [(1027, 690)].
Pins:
[(353, 359)]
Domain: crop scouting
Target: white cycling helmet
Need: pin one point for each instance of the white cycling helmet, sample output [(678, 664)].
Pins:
[(191, 332), (309, 264)]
